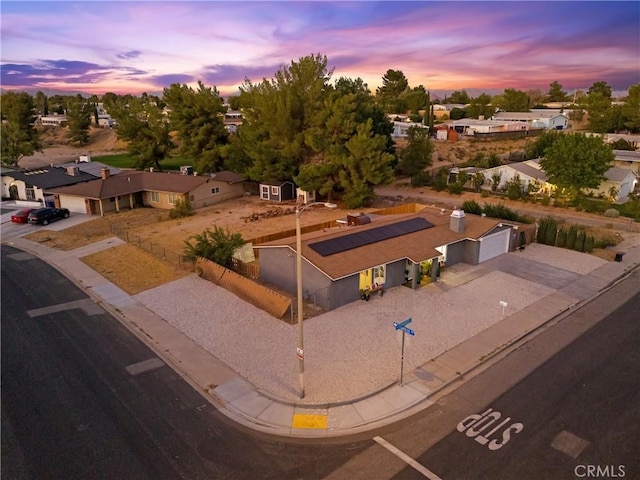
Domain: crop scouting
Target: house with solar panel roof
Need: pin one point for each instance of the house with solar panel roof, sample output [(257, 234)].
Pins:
[(339, 264)]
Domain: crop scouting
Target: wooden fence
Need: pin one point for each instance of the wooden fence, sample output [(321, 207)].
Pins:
[(262, 297)]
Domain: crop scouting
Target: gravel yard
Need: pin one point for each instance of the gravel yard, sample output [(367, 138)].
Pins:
[(353, 350), (565, 259)]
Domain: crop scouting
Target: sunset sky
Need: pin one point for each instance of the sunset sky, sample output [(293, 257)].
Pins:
[(481, 46)]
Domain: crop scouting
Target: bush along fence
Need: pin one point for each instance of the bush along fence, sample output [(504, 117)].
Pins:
[(571, 237)]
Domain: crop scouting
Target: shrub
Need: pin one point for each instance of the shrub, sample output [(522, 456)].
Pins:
[(485, 194), (561, 239), (611, 212), (181, 209), (471, 206), (217, 245), (454, 188), (571, 236), (580, 239), (589, 243), (545, 201)]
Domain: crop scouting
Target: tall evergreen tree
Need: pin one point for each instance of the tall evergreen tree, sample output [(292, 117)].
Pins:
[(18, 134), (555, 93), (79, 120), (196, 116)]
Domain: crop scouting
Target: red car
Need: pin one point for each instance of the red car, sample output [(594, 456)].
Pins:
[(21, 216)]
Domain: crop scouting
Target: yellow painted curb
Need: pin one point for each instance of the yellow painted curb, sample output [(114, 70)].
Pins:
[(309, 421)]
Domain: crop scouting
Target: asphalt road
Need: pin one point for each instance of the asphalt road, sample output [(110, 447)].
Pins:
[(563, 413), (83, 398)]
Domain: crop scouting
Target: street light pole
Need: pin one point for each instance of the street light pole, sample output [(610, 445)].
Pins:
[(300, 349)]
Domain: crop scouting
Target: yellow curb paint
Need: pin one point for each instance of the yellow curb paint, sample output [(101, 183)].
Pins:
[(309, 421)]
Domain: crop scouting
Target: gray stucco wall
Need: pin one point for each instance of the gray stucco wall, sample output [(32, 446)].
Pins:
[(455, 253)]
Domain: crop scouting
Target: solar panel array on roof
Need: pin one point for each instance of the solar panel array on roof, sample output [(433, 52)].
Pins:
[(366, 237)]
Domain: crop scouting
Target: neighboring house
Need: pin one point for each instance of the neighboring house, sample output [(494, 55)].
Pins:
[(225, 185), (132, 189), (618, 183), (390, 251), (627, 159), (232, 120), (619, 180), (471, 126), (547, 119), (32, 185), (93, 168), (400, 128), (52, 120), (277, 191), (530, 173)]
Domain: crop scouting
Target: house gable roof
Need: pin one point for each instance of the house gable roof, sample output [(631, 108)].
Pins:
[(227, 177), (128, 182), (619, 175), (93, 168), (416, 246)]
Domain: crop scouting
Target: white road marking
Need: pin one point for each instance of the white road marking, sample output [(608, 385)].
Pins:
[(406, 458)]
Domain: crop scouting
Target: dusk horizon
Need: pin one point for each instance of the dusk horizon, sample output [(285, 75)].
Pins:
[(481, 47)]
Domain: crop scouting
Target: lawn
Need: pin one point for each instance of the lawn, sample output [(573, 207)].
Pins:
[(126, 160)]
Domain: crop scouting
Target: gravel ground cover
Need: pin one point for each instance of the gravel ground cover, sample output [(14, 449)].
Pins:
[(350, 351), (563, 258)]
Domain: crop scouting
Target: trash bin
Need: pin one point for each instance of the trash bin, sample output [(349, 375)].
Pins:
[(619, 256)]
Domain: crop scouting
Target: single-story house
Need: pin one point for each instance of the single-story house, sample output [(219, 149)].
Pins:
[(227, 185), (471, 126), (627, 159), (400, 128), (530, 173), (548, 119), (393, 250), (52, 120), (277, 191), (131, 189), (618, 181), (31, 185)]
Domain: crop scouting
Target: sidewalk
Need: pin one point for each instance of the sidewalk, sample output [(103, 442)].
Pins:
[(256, 408)]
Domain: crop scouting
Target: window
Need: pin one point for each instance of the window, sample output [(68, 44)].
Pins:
[(173, 198), (264, 192), (31, 193), (379, 275), (155, 197), (215, 190), (274, 190)]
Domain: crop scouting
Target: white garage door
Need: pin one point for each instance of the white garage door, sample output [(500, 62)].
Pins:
[(494, 245)]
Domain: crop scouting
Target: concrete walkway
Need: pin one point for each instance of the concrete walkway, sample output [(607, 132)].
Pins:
[(247, 404)]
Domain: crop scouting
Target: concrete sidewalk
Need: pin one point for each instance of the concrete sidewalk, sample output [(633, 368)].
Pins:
[(245, 403)]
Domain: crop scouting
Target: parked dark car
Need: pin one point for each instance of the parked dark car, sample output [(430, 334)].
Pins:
[(47, 215), (21, 216)]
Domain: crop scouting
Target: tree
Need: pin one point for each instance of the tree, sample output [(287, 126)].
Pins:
[(460, 97), (196, 117), (390, 93), (480, 106), (276, 115), (142, 123), (536, 98), (598, 107), (512, 100), (631, 109), (367, 164), (418, 154), (79, 120), (18, 135), (346, 113), (415, 99), (542, 142), (575, 162), (555, 93), (478, 181), (602, 88), (217, 245), (41, 103)]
